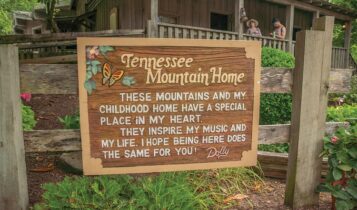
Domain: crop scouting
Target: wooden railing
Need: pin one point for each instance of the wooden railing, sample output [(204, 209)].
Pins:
[(268, 41), (339, 57), (58, 44), (167, 30)]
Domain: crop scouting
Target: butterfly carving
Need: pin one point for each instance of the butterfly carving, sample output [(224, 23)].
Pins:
[(110, 77)]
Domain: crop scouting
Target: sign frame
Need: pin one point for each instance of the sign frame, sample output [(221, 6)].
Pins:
[(93, 166)]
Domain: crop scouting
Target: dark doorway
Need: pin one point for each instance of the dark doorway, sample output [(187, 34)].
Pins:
[(295, 30), (219, 21)]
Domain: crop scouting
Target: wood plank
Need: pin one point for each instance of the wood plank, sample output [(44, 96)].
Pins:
[(51, 60), (13, 180), (10, 39), (310, 92), (69, 140), (39, 79), (275, 164)]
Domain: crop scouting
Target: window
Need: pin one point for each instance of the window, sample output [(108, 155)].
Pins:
[(220, 22), (113, 19)]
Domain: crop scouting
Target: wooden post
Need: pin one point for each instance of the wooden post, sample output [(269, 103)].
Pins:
[(290, 11), (13, 181), (238, 24), (310, 88), (347, 44), (153, 30)]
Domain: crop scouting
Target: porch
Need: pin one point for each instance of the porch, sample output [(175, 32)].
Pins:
[(341, 59)]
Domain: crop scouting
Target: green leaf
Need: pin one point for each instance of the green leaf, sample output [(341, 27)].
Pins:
[(88, 75), (352, 190), (343, 205), (105, 49), (95, 62), (92, 84), (88, 87), (94, 69), (337, 174), (353, 152), (345, 167)]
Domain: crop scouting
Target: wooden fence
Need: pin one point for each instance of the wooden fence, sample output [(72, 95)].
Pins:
[(49, 78)]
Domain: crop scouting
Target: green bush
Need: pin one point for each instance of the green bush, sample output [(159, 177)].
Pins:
[(341, 182), (277, 58), (70, 121), (275, 108), (180, 190), (28, 118), (279, 148), (345, 113)]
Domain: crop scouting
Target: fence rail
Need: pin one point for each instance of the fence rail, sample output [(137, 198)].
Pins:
[(268, 41), (63, 79)]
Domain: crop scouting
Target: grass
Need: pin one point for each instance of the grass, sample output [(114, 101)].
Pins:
[(206, 189)]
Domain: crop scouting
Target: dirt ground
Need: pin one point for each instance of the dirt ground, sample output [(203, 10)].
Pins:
[(43, 168)]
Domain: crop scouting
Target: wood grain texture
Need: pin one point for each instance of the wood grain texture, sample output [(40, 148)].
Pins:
[(275, 165), (13, 180), (69, 140), (310, 92), (62, 79)]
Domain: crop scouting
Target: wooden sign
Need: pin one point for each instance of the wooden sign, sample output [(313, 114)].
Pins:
[(153, 105)]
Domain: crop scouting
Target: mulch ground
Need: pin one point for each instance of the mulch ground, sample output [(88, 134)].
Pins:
[(43, 168)]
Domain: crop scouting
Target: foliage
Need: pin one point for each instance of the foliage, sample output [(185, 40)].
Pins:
[(279, 147), (179, 190), (277, 58), (338, 38), (70, 121), (342, 113), (7, 7), (341, 180), (28, 118), (275, 108), (93, 65), (347, 98)]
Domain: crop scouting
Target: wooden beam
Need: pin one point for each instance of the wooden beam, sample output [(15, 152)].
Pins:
[(290, 11), (13, 180), (310, 92), (153, 29), (238, 24), (10, 39), (69, 140), (347, 41), (63, 79)]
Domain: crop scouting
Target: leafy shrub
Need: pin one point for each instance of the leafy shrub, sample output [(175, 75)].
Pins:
[(277, 58), (275, 108), (279, 148), (180, 190), (342, 113), (341, 182), (70, 121), (28, 118)]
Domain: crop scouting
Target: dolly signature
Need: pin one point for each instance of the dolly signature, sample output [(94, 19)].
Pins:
[(217, 152)]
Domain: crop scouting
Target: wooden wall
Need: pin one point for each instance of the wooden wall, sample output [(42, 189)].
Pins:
[(133, 14), (195, 13), (264, 12), (303, 19)]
